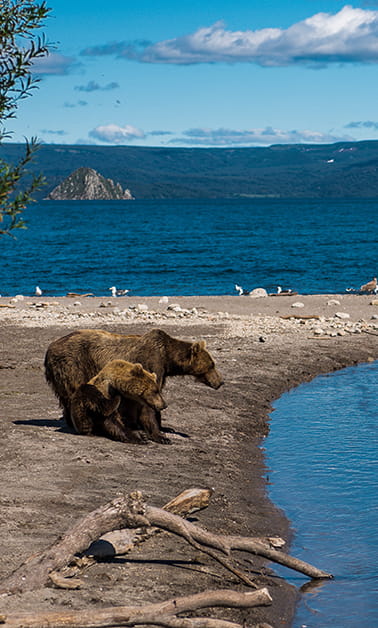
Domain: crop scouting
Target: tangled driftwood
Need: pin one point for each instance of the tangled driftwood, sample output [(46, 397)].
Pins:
[(131, 511)]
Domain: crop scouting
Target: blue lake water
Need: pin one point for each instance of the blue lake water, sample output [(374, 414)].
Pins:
[(177, 247), (323, 459)]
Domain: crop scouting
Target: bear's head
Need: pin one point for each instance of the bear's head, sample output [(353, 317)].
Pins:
[(202, 366), (140, 385)]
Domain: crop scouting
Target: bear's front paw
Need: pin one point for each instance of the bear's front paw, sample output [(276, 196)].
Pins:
[(138, 437), (160, 438)]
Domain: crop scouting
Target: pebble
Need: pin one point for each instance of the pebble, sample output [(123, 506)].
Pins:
[(333, 302), (342, 315), (297, 304)]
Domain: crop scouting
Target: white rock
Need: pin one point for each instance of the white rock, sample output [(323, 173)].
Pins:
[(257, 293), (77, 303), (163, 300), (375, 317), (342, 315), (142, 307), (174, 307), (318, 331), (297, 304)]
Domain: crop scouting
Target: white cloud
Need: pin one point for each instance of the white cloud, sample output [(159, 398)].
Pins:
[(349, 36), (53, 64), (114, 134), (254, 137)]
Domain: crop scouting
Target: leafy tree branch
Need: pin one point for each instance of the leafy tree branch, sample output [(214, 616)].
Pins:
[(20, 46)]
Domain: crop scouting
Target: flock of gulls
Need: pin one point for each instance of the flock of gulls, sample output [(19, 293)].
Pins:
[(371, 287)]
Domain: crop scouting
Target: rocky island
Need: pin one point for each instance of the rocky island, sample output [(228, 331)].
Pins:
[(86, 184)]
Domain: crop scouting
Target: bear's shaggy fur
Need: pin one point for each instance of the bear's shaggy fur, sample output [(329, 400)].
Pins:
[(74, 359), (105, 405)]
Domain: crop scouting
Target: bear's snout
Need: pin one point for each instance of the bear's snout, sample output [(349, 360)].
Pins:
[(160, 404), (212, 379), (218, 384)]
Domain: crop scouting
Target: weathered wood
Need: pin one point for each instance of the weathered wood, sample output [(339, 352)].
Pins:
[(119, 542), (131, 511), (126, 510), (300, 316), (225, 544), (158, 613), (189, 501)]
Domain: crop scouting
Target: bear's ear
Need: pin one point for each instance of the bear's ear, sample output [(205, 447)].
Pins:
[(154, 376), (137, 370), (198, 346)]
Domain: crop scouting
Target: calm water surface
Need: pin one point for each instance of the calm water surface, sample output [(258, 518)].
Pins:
[(178, 247), (322, 452)]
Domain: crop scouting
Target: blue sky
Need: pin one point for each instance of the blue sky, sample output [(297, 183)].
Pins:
[(205, 73)]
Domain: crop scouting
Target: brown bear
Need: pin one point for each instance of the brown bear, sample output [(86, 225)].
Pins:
[(105, 405), (74, 359)]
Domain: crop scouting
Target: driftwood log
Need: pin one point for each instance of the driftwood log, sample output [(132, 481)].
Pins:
[(119, 542), (131, 511), (162, 613), (304, 317)]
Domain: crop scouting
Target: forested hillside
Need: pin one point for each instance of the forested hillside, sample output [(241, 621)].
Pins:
[(348, 169)]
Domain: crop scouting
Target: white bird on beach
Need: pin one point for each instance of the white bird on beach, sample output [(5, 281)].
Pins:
[(284, 291), (241, 290), (371, 286), (118, 293), (38, 291)]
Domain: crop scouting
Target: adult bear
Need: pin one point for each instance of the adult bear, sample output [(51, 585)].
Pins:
[(76, 358), (105, 405)]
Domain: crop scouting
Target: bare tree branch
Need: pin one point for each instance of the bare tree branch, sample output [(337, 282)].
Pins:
[(158, 613)]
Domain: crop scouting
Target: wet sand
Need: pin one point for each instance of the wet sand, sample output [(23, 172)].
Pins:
[(51, 476)]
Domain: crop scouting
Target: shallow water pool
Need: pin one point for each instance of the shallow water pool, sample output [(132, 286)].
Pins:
[(322, 457)]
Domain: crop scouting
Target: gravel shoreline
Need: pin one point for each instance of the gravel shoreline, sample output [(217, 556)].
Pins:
[(52, 476), (320, 315)]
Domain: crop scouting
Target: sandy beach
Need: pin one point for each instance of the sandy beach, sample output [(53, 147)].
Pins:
[(52, 476)]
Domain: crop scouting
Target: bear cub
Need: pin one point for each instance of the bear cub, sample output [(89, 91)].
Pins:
[(105, 406)]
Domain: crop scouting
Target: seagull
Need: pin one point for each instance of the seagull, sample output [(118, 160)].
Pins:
[(279, 289), (371, 286), (241, 290), (38, 291), (118, 293)]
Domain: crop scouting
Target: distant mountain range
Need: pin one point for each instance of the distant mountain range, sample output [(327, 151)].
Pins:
[(342, 170)]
